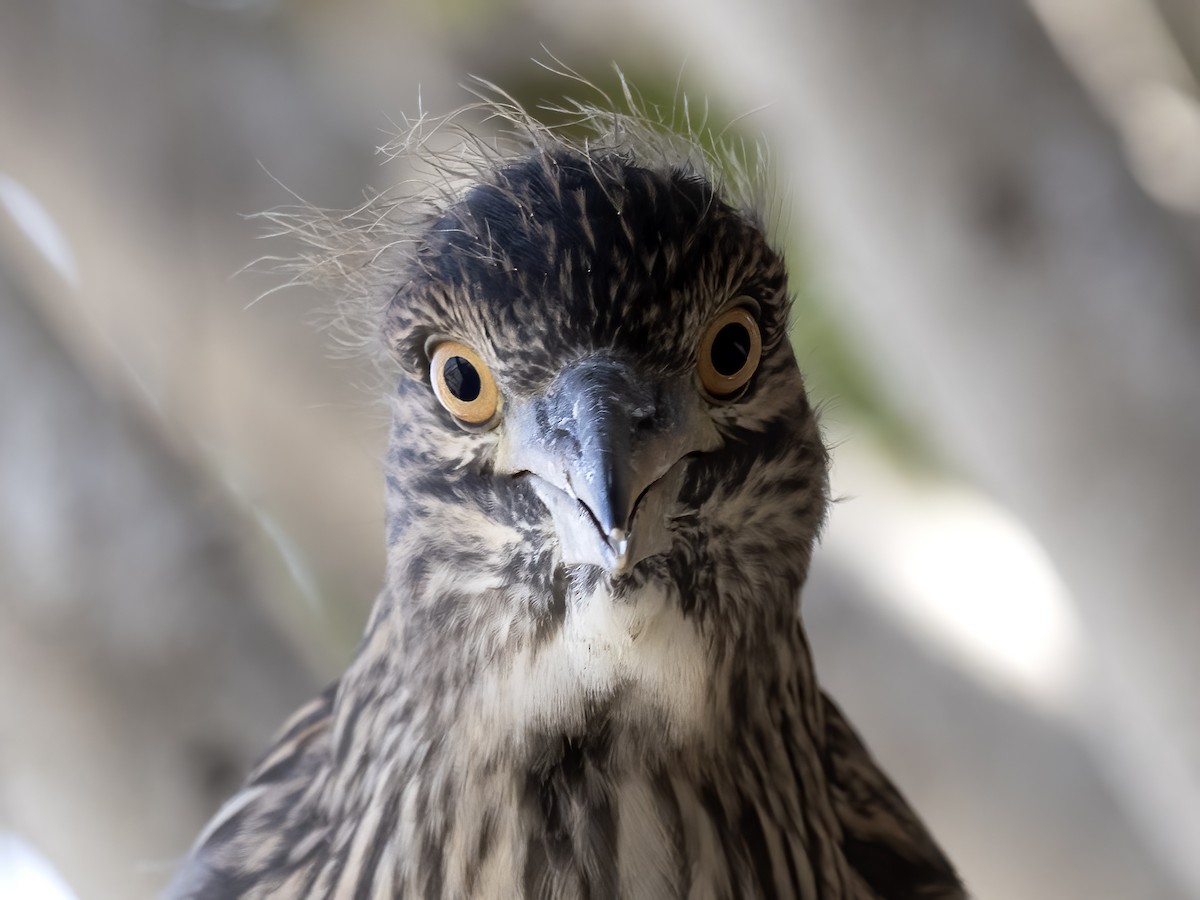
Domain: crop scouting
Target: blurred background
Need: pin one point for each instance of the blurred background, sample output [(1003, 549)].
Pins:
[(992, 212)]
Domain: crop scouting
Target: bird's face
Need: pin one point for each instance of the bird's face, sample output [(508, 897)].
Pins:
[(599, 392)]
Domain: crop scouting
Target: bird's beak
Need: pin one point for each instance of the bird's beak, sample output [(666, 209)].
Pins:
[(602, 444)]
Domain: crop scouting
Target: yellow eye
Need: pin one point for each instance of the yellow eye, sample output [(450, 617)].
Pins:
[(729, 353), (463, 383)]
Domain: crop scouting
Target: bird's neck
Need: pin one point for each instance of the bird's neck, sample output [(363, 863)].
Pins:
[(473, 779), (635, 681)]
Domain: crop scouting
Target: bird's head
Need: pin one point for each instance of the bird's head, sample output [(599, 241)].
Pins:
[(598, 407), (610, 339)]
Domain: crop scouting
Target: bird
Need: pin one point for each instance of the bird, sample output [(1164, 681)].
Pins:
[(587, 673)]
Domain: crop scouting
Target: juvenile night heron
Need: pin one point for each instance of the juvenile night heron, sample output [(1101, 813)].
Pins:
[(586, 676)]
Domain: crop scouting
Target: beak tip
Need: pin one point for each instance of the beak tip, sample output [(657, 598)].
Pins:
[(618, 540)]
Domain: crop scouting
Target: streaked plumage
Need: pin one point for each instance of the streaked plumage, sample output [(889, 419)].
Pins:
[(586, 676)]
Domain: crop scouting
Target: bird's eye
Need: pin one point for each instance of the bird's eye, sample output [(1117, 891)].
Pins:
[(729, 353), (463, 383)]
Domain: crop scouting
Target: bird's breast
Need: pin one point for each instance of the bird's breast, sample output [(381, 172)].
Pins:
[(576, 827)]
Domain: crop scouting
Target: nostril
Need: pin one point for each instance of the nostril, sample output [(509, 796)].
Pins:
[(643, 424)]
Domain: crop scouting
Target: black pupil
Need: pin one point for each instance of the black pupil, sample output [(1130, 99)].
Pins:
[(461, 379), (730, 349)]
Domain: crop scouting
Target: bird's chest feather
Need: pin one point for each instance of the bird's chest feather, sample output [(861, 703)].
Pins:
[(571, 828)]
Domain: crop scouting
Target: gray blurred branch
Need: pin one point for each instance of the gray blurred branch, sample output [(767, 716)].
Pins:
[(138, 674)]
